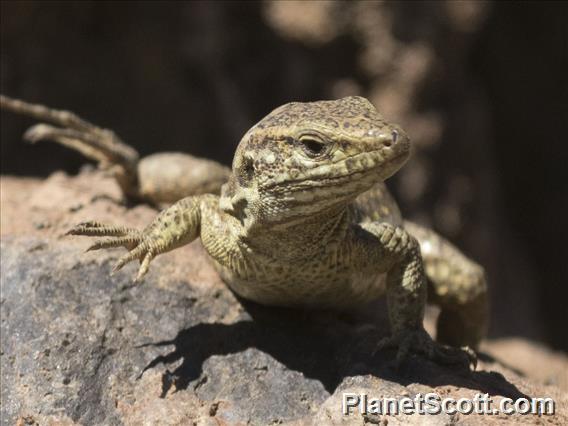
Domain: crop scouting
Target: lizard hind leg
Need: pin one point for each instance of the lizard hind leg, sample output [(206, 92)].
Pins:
[(457, 285), (101, 145)]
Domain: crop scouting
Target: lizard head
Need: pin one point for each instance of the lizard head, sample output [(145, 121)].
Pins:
[(305, 158)]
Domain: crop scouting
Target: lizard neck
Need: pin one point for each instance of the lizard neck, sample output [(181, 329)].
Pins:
[(300, 237)]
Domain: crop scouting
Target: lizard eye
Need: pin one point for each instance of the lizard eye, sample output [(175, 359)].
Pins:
[(312, 146)]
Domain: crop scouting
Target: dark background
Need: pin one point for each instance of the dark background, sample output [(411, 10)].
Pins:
[(480, 87)]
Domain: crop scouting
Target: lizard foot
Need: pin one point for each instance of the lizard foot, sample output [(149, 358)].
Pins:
[(141, 245), (419, 341)]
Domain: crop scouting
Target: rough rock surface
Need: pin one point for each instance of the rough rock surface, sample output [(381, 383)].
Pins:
[(82, 347)]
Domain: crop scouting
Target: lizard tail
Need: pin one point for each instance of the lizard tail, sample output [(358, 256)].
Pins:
[(96, 143)]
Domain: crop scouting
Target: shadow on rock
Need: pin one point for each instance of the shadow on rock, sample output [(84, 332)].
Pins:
[(322, 346)]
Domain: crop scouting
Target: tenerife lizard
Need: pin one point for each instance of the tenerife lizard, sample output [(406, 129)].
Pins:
[(303, 219)]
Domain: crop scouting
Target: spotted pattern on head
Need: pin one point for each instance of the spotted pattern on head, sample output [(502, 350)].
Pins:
[(303, 158)]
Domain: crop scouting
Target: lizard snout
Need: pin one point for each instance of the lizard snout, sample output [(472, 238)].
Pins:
[(394, 147)]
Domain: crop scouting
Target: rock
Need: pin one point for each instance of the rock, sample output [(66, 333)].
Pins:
[(81, 347)]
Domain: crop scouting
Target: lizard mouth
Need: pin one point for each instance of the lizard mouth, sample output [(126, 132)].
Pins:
[(323, 182)]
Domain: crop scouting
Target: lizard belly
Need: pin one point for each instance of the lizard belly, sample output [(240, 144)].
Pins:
[(294, 286)]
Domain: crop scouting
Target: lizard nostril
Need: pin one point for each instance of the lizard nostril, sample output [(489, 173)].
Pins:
[(389, 142)]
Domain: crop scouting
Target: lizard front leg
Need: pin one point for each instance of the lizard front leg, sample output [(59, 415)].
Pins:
[(172, 228), (399, 253)]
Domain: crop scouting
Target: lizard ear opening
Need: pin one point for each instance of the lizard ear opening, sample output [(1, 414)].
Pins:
[(227, 192), (245, 172)]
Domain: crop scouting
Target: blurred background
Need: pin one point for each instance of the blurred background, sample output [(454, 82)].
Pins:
[(480, 87)]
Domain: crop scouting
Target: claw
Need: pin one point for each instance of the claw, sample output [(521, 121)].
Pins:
[(74, 230), (36, 133), (144, 266), (120, 264), (130, 256), (471, 355), (141, 244), (419, 341)]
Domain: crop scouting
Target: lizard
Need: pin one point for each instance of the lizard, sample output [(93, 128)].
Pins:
[(302, 219)]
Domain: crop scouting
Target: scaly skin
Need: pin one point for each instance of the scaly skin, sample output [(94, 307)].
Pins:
[(305, 220)]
